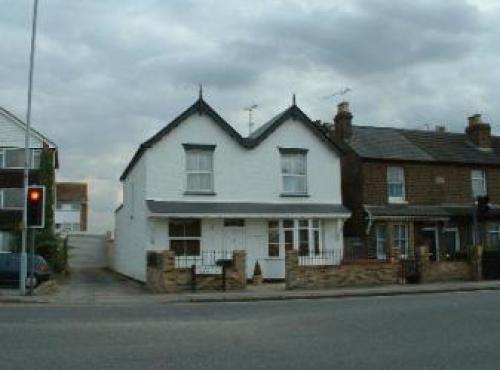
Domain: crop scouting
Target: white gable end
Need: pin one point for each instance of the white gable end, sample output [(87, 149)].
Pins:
[(12, 134), (241, 174)]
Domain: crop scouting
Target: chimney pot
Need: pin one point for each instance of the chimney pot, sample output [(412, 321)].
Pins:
[(342, 122), (343, 107), (475, 120), (479, 132)]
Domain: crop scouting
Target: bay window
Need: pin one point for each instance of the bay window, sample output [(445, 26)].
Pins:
[(288, 234), (293, 171)]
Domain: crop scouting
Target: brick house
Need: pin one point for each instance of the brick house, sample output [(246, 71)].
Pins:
[(71, 206), (412, 187), (12, 154)]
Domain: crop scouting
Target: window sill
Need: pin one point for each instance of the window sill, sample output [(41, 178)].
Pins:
[(294, 195), (189, 192), (397, 201)]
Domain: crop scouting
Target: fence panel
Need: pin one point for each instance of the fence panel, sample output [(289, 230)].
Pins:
[(323, 258), (205, 258)]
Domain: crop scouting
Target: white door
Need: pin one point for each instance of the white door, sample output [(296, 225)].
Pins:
[(256, 251)]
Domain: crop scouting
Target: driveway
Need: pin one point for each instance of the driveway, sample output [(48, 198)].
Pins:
[(97, 285)]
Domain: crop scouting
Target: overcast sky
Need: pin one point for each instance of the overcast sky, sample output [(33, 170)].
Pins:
[(110, 73)]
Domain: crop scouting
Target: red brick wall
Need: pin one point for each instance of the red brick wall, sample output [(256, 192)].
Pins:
[(427, 184)]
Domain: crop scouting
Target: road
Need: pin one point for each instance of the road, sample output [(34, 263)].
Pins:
[(441, 331)]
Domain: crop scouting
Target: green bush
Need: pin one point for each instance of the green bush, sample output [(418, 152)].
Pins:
[(51, 247), (256, 269)]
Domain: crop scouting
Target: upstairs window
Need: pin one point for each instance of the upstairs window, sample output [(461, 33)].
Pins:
[(199, 168), (478, 182), (14, 158), (12, 198), (395, 184), (294, 171)]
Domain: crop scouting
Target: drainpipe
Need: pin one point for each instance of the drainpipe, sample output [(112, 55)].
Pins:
[(370, 221)]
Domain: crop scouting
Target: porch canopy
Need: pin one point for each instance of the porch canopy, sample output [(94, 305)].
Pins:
[(423, 212), (164, 209)]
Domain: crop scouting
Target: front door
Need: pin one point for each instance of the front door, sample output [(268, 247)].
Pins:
[(451, 241), (234, 238), (429, 238)]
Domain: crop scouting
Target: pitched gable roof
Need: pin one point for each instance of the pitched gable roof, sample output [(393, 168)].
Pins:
[(202, 107), (416, 145), (13, 118)]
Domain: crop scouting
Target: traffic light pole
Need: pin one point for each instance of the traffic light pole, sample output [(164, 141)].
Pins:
[(27, 159)]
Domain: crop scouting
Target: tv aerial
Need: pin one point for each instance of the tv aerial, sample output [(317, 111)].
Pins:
[(250, 109), (340, 92)]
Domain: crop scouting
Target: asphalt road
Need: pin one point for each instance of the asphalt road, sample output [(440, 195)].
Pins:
[(439, 331)]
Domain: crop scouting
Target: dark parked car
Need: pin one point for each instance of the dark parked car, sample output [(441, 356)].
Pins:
[(10, 265)]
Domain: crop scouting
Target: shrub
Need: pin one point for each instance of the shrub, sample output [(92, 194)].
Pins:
[(256, 269)]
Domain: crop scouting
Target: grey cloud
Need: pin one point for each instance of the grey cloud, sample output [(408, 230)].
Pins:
[(111, 73)]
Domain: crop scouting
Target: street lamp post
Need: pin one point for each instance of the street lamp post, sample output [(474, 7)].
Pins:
[(27, 157)]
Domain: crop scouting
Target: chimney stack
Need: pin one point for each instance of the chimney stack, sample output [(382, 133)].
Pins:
[(343, 122), (479, 132)]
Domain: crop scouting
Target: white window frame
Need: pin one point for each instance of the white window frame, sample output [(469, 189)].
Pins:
[(293, 154), (33, 152), (185, 238), (313, 225), (193, 150), (381, 241), (495, 230), (482, 178), (401, 173), (2, 199), (397, 239)]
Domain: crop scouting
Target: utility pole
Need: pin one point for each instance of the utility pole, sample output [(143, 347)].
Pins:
[(27, 159)]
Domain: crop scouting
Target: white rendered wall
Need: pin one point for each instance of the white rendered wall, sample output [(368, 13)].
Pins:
[(132, 236), (241, 174)]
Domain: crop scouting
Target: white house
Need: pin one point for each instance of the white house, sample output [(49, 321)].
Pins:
[(198, 185), (12, 158)]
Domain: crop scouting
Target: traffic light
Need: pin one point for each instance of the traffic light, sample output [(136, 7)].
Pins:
[(36, 206)]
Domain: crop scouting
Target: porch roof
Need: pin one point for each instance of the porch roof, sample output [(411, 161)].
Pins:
[(424, 211), (240, 209)]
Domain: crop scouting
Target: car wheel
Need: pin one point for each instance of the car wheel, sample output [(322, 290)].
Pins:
[(31, 282)]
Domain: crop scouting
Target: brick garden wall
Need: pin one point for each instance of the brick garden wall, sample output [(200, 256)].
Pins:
[(431, 272), (347, 274), (164, 277)]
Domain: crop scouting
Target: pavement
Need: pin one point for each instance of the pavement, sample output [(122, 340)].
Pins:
[(426, 331), (99, 286)]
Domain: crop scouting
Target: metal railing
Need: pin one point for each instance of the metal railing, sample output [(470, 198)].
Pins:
[(323, 258), (205, 258)]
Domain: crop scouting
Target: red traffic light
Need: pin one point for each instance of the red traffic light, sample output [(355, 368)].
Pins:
[(35, 195), (36, 207)]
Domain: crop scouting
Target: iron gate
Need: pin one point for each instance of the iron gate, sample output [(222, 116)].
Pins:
[(409, 271)]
